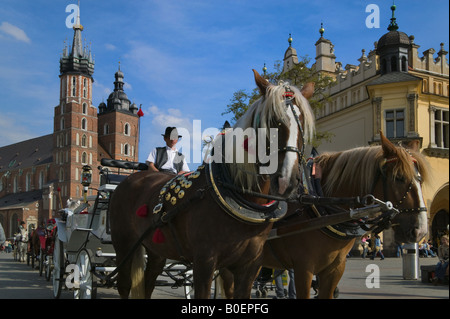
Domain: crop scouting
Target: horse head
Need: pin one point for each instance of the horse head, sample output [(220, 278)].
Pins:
[(402, 173), (282, 122)]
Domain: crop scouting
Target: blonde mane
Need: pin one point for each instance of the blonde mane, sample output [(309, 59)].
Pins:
[(358, 167), (261, 114)]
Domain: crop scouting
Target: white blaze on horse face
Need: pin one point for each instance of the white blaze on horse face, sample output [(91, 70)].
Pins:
[(422, 218), (290, 158)]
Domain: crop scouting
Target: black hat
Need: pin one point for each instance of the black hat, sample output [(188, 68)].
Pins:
[(171, 132)]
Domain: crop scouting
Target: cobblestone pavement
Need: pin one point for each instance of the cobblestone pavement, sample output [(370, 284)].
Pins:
[(19, 281)]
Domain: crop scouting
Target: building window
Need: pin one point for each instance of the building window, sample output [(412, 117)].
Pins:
[(84, 108), (61, 174), (441, 128), (404, 66), (41, 179), (106, 129), (28, 182), (126, 129), (425, 86), (84, 159), (74, 86), (393, 64), (84, 88), (126, 149), (84, 141), (83, 124), (62, 124), (395, 123)]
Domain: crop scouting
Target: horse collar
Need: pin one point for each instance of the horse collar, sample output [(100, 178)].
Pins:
[(235, 205)]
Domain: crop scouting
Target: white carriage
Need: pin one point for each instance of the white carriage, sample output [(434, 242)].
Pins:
[(83, 256)]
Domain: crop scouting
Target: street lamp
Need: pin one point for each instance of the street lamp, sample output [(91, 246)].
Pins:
[(86, 179)]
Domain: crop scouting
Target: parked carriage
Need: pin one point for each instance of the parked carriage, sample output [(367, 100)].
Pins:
[(83, 257)]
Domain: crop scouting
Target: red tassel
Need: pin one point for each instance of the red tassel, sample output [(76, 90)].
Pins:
[(158, 237), (142, 211)]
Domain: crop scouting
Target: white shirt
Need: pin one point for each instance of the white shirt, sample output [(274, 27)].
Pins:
[(170, 157)]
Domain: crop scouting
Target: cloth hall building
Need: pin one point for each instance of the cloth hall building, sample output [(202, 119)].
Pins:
[(399, 90)]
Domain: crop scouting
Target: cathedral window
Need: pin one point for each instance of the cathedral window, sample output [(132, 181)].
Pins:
[(41, 179), (74, 86), (84, 158), (84, 88), (84, 141), (83, 124), (84, 111), (126, 129), (126, 149)]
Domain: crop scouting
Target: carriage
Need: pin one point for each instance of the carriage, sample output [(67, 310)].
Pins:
[(83, 258)]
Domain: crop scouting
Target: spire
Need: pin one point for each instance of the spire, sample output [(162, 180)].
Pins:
[(393, 25), (77, 58), (77, 47)]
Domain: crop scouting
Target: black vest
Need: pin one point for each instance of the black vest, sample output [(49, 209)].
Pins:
[(161, 159)]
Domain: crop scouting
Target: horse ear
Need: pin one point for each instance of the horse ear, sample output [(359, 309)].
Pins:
[(388, 148), (308, 90), (261, 82)]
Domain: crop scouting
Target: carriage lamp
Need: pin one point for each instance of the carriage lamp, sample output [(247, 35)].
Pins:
[(86, 178)]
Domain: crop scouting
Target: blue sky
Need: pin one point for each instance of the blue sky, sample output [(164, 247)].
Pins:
[(182, 59)]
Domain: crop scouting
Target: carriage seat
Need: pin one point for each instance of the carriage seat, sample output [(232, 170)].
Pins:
[(123, 164), (115, 179)]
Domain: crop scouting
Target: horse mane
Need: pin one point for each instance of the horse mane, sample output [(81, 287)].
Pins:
[(359, 166), (260, 114)]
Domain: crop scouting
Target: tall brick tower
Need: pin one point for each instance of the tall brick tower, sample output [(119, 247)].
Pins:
[(75, 140)]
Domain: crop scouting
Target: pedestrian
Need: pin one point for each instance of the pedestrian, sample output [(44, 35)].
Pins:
[(279, 287), (377, 247), (168, 158), (399, 250), (442, 266), (365, 246), (2, 236), (22, 238)]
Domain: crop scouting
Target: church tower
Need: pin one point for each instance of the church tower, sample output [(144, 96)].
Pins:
[(118, 123), (75, 118)]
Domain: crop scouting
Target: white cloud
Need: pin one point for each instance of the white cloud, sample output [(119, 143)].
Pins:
[(110, 47), (12, 132), (14, 31)]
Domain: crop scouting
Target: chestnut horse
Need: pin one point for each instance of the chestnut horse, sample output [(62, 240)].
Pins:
[(183, 217), (390, 173)]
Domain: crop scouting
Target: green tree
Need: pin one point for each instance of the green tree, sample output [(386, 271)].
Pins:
[(297, 75)]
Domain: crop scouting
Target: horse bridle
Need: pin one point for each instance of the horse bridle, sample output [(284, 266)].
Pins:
[(289, 96), (384, 181)]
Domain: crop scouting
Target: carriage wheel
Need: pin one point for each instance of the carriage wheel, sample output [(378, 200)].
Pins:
[(58, 268), (86, 289), (189, 285)]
